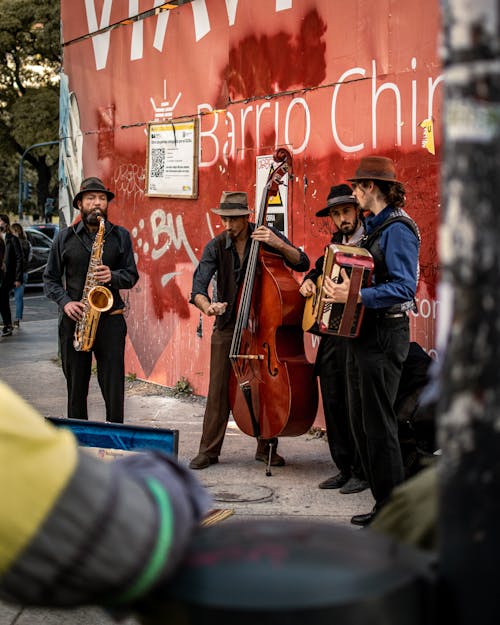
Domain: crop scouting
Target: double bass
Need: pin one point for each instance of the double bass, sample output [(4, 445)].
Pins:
[(273, 390)]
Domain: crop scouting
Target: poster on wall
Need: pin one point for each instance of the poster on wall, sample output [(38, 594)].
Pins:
[(172, 159), (277, 208)]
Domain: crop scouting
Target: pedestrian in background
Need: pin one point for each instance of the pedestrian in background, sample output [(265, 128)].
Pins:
[(27, 251), (12, 273)]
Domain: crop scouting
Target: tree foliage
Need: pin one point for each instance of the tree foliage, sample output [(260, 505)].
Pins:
[(30, 55)]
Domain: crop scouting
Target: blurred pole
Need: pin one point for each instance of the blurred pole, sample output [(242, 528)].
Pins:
[(470, 295)]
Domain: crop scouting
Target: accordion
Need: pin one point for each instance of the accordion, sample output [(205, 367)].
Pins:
[(340, 319)]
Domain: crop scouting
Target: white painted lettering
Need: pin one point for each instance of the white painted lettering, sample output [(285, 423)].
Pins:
[(243, 115), (229, 152), (231, 6), (201, 20), (161, 26), (375, 95), (209, 134), (136, 48), (100, 42), (414, 104), (258, 112), (336, 138), (307, 117)]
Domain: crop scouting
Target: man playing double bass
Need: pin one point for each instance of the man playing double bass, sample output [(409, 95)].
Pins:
[(226, 255)]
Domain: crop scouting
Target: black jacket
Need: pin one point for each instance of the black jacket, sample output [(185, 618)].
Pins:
[(13, 260), (66, 271)]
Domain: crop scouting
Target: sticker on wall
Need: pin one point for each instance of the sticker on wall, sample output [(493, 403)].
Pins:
[(428, 138), (277, 213)]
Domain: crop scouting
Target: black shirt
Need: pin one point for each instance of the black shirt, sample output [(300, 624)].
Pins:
[(67, 267), (220, 255)]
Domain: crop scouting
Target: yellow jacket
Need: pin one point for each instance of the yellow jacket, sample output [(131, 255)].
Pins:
[(36, 462)]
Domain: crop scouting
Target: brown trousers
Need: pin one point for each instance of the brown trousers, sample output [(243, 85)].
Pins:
[(217, 408)]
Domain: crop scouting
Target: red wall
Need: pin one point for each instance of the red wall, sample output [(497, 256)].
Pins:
[(329, 79)]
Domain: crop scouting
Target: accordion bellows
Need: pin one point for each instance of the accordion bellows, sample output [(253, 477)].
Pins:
[(339, 319)]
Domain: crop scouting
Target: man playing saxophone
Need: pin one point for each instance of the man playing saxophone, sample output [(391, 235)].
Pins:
[(84, 255)]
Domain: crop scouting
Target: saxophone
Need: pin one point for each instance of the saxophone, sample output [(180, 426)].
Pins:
[(96, 298)]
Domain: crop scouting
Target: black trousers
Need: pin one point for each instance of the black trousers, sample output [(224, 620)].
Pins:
[(109, 351), (331, 366), (5, 311), (375, 362)]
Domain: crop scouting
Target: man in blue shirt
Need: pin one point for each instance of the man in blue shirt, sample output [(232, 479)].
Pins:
[(376, 356), (226, 255)]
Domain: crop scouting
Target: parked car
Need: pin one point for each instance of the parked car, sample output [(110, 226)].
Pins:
[(49, 229), (40, 244)]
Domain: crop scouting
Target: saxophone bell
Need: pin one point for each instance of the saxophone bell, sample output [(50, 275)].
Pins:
[(100, 298)]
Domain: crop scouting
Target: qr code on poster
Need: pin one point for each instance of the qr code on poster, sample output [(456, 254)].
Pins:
[(157, 162)]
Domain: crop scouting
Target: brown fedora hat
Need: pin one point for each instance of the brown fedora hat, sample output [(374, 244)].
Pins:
[(375, 168), (92, 184), (339, 194), (232, 204)]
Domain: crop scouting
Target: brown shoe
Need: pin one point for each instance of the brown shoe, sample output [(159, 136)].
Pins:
[(202, 461), (276, 459)]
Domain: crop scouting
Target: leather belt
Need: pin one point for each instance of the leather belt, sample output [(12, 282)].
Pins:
[(399, 315), (118, 311)]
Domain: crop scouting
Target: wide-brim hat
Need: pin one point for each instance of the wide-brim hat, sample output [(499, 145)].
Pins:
[(232, 204), (92, 184), (375, 168), (339, 194)]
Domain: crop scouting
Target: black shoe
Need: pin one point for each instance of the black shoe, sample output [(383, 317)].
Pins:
[(7, 331), (276, 459), (202, 461), (354, 485), (335, 482), (363, 519)]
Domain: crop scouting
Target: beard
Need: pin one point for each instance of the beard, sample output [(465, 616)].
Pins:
[(349, 229), (92, 218)]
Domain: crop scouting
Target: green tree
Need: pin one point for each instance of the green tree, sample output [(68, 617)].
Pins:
[(29, 102)]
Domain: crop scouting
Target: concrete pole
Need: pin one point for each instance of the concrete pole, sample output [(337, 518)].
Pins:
[(470, 298)]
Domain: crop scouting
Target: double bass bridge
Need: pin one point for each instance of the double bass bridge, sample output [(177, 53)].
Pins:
[(247, 356)]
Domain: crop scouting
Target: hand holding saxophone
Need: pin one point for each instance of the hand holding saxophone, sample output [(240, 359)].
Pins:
[(74, 310), (103, 274)]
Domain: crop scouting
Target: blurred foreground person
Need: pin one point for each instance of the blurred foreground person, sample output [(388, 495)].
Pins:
[(75, 530)]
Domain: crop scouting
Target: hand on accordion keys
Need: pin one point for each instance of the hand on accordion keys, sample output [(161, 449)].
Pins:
[(337, 292)]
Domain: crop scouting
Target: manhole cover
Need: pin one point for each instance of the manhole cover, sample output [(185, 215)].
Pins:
[(240, 492)]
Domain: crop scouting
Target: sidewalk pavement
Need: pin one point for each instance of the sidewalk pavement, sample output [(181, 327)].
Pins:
[(28, 363)]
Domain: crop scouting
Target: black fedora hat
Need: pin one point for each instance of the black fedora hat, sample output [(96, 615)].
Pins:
[(339, 194), (232, 204), (92, 184)]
